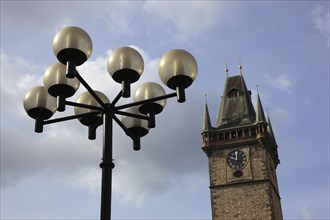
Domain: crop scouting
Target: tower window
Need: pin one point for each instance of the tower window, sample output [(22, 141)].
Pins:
[(246, 133), (234, 93)]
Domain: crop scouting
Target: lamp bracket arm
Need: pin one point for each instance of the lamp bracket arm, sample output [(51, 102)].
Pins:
[(90, 90), (174, 94), (84, 106), (132, 115), (67, 118), (114, 102), (127, 132)]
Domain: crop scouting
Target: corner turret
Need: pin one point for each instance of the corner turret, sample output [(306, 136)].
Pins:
[(260, 115), (206, 118), (271, 134)]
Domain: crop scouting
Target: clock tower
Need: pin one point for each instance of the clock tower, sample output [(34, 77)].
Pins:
[(242, 156)]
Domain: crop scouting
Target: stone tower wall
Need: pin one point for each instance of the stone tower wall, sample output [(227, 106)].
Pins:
[(254, 195), (243, 201)]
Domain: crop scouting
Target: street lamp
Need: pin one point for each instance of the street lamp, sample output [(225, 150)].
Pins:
[(72, 46)]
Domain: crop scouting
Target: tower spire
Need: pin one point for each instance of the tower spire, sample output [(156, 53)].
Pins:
[(270, 128), (236, 107), (260, 115), (206, 118)]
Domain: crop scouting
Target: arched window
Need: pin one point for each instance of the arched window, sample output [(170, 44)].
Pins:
[(234, 93)]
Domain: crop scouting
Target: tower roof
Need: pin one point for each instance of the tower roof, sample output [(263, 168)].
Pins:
[(236, 108), (206, 118)]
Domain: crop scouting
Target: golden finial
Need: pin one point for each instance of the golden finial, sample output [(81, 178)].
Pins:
[(226, 69), (240, 65)]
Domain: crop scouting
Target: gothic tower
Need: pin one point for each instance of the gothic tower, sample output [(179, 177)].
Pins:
[(242, 156)]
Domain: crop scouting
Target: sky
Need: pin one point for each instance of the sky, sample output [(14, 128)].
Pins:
[(283, 47)]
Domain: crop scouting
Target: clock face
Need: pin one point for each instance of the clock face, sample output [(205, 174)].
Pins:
[(236, 159)]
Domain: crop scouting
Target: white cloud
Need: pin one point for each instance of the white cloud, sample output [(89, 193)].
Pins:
[(28, 15), (18, 72), (321, 19), (31, 14), (279, 116), (120, 20), (88, 177), (189, 19), (134, 182), (17, 77), (182, 19), (306, 213), (281, 82)]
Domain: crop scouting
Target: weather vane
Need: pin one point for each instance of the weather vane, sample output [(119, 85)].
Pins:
[(257, 85)]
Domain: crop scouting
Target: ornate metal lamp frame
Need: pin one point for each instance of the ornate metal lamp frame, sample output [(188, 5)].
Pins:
[(72, 46)]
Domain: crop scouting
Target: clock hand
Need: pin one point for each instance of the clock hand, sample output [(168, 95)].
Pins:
[(236, 155)]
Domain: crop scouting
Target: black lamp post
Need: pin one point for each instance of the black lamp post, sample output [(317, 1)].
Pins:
[(73, 46)]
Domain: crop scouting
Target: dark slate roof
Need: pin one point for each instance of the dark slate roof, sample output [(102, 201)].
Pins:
[(206, 119), (260, 115), (236, 107)]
